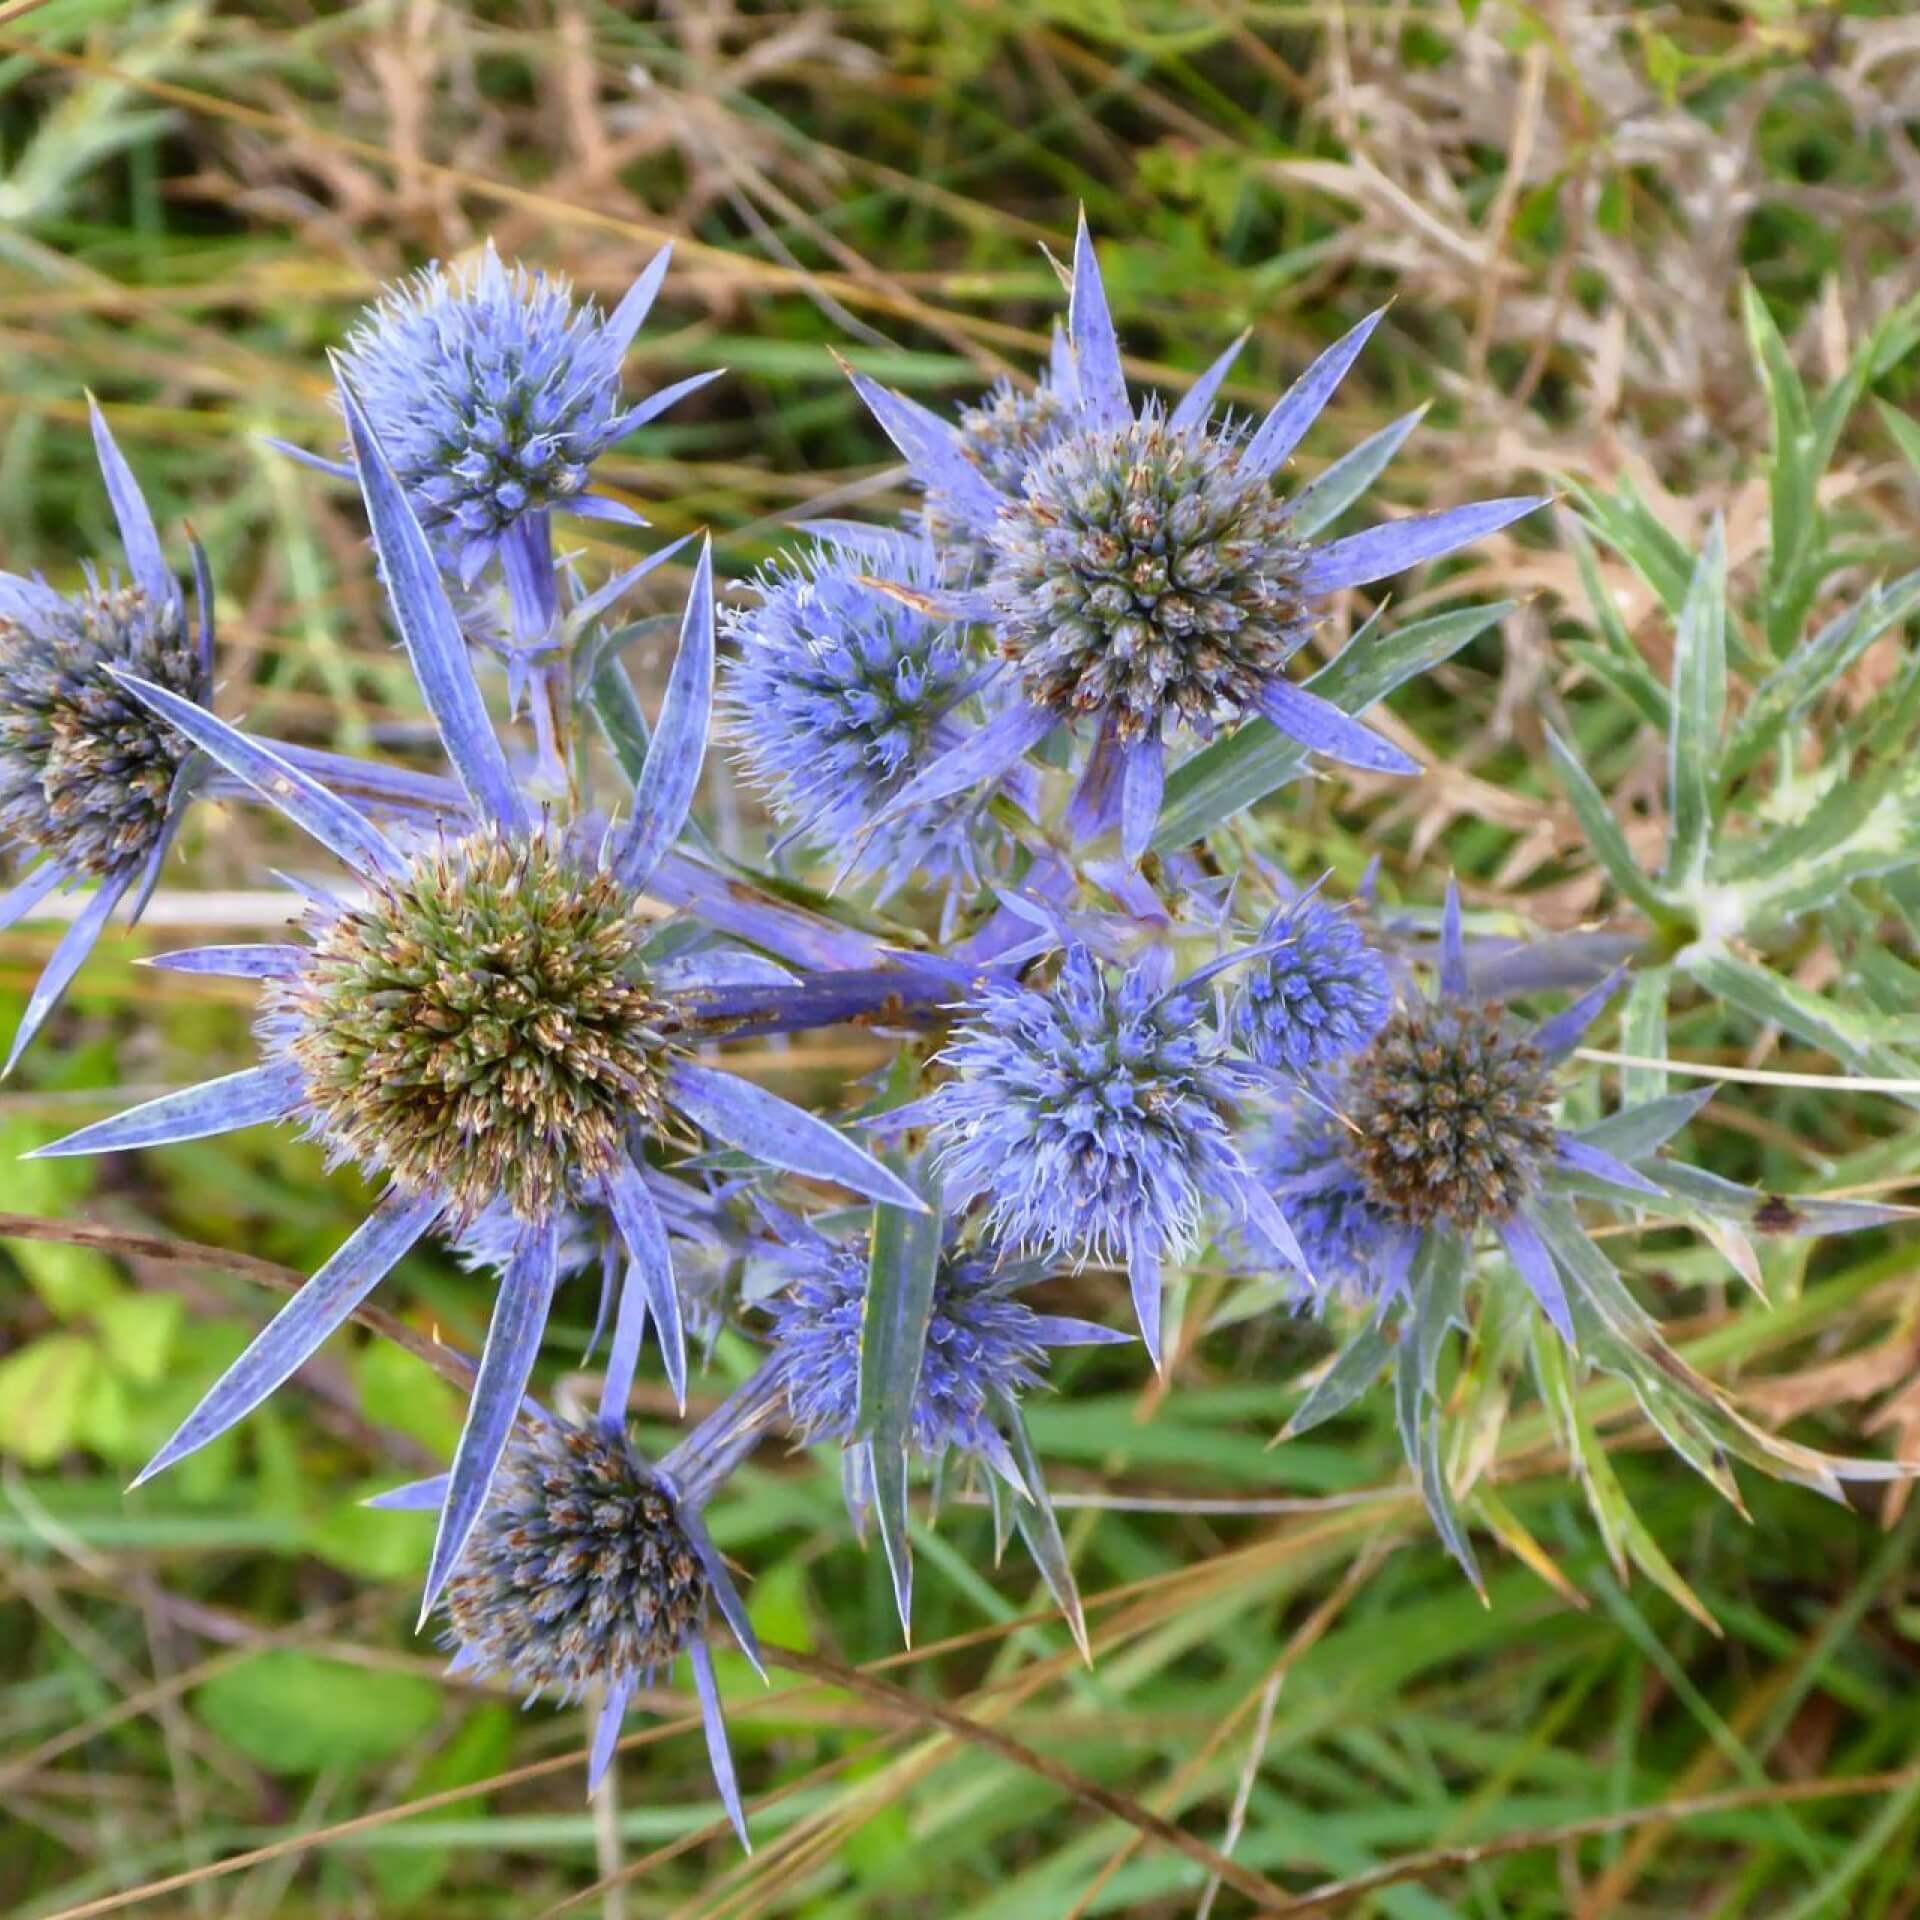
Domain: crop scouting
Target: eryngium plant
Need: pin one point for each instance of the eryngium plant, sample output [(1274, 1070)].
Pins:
[(1032, 716)]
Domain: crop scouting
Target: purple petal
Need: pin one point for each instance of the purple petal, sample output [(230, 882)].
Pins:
[(649, 1288), (334, 469), (138, 534), (27, 600), (252, 962), (723, 967), (719, 1754), (932, 450), (626, 320), (417, 1496), (1060, 369), (1453, 947), (655, 404), (733, 906), (21, 901), (663, 794), (297, 1331), (1264, 1216), (1142, 789), (1063, 1330), (602, 507), (1534, 1264), (429, 628), (329, 819), (1143, 1283), (1197, 403), (981, 757), (883, 544), (1096, 347), (194, 1113), (1602, 1165), (606, 1729), (1094, 804), (66, 960), (603, 596), (777, 1132), (1390, 549), (1556, 1038), (726, 1596), (1320, 726), (1300, 406), (506, 1365), (526, 563)]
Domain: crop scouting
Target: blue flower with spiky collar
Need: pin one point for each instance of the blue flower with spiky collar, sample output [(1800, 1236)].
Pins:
[(1143, 574), (1098, 1119), (481, 1027), (838, 693), (90, 780), (494, 391), (1319, 992), (591, 1569)]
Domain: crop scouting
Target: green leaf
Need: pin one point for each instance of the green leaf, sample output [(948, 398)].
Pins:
[(1355, 1368), (1776, 1001), (1643, 1032), (1038, 1524), (138, 1332), (1699, 706), (297, 1713), (1905, 431), (1605, 837), (1794, 520), (1257, 759), (902, 1262), (44, 1391), (1641, 538)]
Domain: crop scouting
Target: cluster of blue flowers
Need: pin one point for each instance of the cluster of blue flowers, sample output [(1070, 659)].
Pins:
[(978, 711)]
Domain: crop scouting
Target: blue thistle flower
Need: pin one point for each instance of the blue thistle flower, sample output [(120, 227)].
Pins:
[(592, 1569), (90, 780), (493, 392), (838, 694), (1321, 991), (483, 1026), (1144, 574), (1339, 1228), (1098, 1119)]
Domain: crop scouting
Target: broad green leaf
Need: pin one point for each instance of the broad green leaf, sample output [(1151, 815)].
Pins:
[(138, 1332), (1605, 837), (44, 1390), (296, 1713), (1699, 706), (1257, 759)]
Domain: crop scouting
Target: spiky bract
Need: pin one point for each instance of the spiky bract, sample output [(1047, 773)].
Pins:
[(579, 1572), (999, 435), (1450, 1107), (484, 1028), (86, 771)]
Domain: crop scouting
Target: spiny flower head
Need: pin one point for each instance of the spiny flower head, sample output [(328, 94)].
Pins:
[(579, 1572), (1095, 1119), (493, 392), (483, 1026), (998, 435), (87, 771), (1339, 1227), (839, 693), (1451, 1108), (1320, 992), (980, 1339), (1145, 574)]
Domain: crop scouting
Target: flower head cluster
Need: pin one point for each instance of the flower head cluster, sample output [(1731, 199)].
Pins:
[(1095, 1120), (1141, 571), (998, 435), (89, 777), (838, 694), (494, 391), (1317, 992)]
